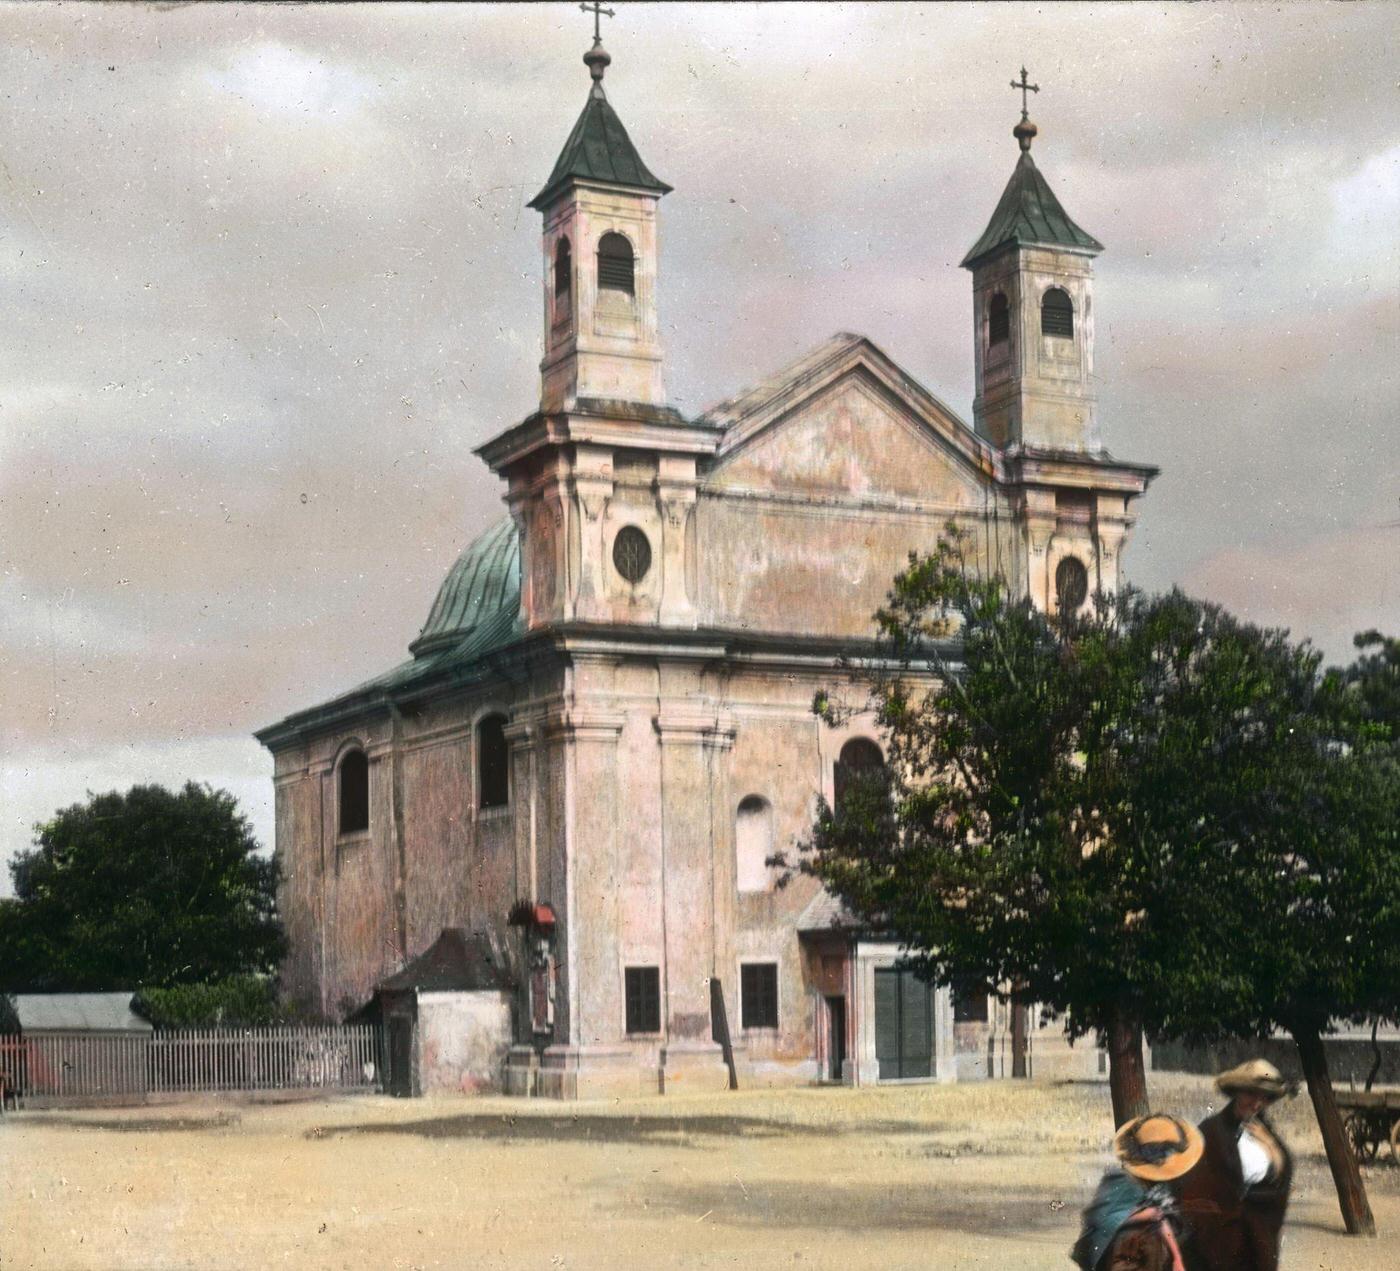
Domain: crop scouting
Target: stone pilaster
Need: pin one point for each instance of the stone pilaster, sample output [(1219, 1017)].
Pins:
[(675, 485), (1038, 516), (688, 736), (592, 484)]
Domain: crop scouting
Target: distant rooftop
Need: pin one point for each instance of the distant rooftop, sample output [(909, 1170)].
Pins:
[(78, 1012)]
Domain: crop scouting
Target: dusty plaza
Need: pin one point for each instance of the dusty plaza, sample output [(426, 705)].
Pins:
[(986, 1175)]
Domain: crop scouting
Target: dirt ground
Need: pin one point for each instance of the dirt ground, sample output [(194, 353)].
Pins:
[(989, 1175)]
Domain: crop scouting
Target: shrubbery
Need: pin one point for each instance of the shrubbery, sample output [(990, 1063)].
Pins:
[(249, 1001)]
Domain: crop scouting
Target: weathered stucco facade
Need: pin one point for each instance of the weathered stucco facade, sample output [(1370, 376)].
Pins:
[(606, 729)]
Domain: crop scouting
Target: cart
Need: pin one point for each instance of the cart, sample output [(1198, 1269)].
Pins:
[(1371, 1117)]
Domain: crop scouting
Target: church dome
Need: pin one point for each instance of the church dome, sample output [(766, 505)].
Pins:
[(479, 600)]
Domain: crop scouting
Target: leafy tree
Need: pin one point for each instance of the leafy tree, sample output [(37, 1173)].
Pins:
[(149, 887), (1372, 683), (1147, 820)]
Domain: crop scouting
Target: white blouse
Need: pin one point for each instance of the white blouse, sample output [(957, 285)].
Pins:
[(1254, 1158)]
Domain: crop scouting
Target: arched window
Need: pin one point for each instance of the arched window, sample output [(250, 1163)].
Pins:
[(859, 755), (563, 271), (753, 843), (615, 264), (354, 792), (1071, 586), (1057, 314), (998, 320), (492, 763)]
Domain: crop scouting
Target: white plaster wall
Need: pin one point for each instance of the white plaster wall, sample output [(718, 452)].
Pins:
[(462, 1041)]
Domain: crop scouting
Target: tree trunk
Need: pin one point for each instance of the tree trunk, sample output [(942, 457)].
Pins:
[(1018, 1035), (1351, 1191), (1127, 1077)]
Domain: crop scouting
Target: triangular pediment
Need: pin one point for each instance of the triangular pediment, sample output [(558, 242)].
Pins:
[(846, 420)]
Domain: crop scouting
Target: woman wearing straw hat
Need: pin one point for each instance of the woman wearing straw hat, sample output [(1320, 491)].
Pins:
[(1132, 1223), (1235, 1200)]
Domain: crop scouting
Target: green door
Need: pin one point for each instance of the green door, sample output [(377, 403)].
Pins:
[(903, 1025)]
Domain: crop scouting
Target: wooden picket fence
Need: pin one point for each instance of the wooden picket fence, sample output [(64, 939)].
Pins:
[(52, 1069)]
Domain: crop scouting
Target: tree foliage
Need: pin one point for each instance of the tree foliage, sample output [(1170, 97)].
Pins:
[(149, 887), (1157, 818)]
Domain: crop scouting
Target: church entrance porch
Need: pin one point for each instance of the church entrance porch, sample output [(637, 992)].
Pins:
[(875, 1020)]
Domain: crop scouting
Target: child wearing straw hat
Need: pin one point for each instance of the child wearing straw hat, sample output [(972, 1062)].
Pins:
[(1236, 1200), (1132, 1224)]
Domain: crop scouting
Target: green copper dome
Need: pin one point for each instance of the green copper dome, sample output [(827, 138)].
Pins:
[(478, 604)]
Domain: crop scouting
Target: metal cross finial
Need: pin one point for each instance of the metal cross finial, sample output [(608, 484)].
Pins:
[(1025, 88), (597, 10)]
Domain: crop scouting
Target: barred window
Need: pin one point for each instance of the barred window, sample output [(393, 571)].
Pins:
[(615, 264), (1057, 314), (758, 994), (643, 985)]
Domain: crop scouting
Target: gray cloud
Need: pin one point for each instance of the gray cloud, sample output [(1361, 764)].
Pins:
[(269, 279)]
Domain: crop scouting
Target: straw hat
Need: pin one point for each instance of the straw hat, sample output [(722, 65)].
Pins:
[(1254, 1076), (1158, 1148)]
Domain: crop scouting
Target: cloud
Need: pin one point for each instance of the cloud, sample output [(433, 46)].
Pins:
[(1328, 589), (270, 278), (32, 789), (285, 81)]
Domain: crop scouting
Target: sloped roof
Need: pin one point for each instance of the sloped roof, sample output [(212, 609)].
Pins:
[(455, 961), (598, 149), (1029, 214), (824, 912), (78, 1012)]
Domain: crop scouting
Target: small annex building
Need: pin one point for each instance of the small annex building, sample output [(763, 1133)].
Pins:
[(447, 1018), (40, 1013), (603, 731), (63, 1045)]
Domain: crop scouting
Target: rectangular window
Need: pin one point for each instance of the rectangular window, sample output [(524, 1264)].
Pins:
[(969, 1003), (758, 994), (643, 999)]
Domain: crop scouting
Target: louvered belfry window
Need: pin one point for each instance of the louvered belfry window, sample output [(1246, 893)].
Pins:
[(998, 320), (615, 264), (1057, 314)]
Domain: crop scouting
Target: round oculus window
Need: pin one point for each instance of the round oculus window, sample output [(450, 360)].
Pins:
[(1071, 585), (631, 554)]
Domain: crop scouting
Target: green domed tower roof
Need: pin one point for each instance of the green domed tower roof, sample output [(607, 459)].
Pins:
[(478, 605)]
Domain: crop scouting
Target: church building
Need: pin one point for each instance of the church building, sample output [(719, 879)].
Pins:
[(604, 730)]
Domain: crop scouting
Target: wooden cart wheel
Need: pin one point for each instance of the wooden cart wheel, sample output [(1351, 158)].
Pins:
[(1395, 1141), (1363, 1141)]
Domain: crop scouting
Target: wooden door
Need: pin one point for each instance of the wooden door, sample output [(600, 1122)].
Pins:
[(903, 1025)]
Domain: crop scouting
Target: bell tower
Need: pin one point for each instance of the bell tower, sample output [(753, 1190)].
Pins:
[(1032, 303), (601, 340)]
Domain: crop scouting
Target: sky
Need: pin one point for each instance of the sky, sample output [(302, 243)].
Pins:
[(269, 278)]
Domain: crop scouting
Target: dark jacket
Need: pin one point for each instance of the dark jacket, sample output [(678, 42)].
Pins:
[(1124, 1227), (1234, 1228)]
